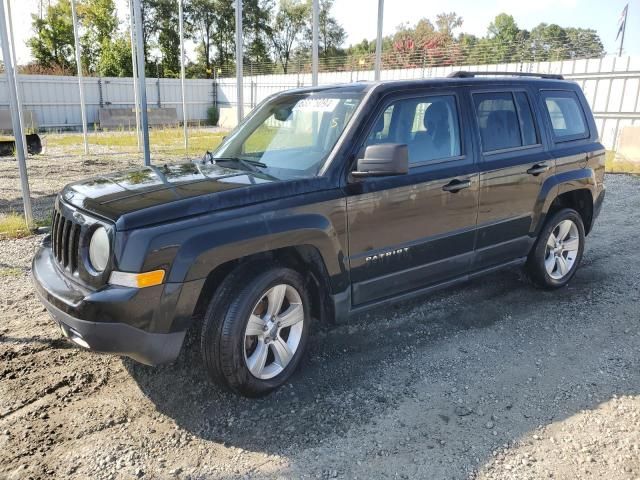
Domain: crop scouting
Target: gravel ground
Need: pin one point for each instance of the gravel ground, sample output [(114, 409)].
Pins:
[(491, 380), (56, 166)]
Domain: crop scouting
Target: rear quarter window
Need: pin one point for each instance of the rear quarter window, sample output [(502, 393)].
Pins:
[(565, 115)]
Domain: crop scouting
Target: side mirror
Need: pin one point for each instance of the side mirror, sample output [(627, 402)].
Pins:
[(383, 160)]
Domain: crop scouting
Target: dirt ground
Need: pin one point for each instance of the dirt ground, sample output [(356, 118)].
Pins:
[(491, 380)]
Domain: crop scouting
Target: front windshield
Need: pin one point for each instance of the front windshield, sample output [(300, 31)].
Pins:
[(292, 135)]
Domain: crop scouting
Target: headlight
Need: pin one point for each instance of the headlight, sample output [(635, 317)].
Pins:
[(99, 249)]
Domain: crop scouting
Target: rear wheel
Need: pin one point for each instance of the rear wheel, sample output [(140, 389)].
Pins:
[(558, 250), (254, 338)]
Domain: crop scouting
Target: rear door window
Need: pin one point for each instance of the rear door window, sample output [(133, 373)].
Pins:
[(566, 115), (505, 120)]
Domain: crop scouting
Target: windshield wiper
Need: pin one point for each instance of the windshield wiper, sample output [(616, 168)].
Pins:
[(248, 164)]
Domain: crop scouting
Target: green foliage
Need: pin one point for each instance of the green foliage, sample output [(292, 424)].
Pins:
[(166, 38), (288, 28), (213, 115), (277, 38), (115, 58), (13, 225), (331, 35), (52, 46), (100, 23)]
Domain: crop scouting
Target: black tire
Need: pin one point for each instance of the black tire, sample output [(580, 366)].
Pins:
[(223, 332), (535, 266)]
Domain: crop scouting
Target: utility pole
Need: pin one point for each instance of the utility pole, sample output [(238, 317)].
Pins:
[(379, 40), (239, 82), (23, 139), (314, 43), (83, 112), (184, 102), (15, 119), (134, 64), (142, 83)]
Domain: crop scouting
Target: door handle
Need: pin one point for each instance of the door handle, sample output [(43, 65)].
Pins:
[(538, 169), (456, 185)]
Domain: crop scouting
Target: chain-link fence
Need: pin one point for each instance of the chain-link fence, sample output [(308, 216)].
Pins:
[(611, 85)]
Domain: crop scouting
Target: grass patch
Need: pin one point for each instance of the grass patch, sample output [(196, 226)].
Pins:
[(10, 272), (169, 140), (44, 222), (13, 225)]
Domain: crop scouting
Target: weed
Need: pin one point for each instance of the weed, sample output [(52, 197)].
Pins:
[(13, 225)]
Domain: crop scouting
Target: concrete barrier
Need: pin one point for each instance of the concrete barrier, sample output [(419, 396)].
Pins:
[(627, 156), (30, 121), (126, 117)]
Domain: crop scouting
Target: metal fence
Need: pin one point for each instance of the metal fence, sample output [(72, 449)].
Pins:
[(611, 85)]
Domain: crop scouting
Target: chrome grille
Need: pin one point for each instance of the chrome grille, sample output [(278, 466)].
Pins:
[(65, 236)]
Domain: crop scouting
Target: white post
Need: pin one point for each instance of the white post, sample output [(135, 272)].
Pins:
[(80, 84), (15, 120), (134, 65), (314, 42), (15, 76), (184, 102), (239, 82), (379, 40), (142, 83)]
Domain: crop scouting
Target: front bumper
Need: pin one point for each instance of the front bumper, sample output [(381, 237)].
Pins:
[(87, 318)]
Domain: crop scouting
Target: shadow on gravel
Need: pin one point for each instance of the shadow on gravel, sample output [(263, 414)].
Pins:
[(338, 384), (57, 343), (42, 203), (535, 358)]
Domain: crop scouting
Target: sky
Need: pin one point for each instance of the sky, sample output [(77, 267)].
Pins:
[(359, 17)]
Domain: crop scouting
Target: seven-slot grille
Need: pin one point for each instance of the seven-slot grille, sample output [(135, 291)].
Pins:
[(65, 238)]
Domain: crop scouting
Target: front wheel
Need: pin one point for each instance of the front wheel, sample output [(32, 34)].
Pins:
[(254, 338), (558, 250)]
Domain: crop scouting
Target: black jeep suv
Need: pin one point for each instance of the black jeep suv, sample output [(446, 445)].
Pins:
[(324, 202)]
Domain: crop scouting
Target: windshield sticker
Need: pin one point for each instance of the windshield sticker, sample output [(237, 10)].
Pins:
[(316, 105)]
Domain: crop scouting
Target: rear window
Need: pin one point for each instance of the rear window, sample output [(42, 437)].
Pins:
[(505, 120), (566, 115)]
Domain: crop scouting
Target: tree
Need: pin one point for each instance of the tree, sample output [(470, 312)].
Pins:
[(549, 42), (584, 43), (256, 15), (52, 47), (331, 34), (447, 23), (503, 36), (287, 29), (115, 58), (100, 23), (201, 21)]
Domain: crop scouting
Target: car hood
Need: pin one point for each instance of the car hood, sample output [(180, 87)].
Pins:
[(155, 194)]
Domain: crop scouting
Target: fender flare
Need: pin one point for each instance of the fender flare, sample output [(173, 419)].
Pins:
[(558, 184), (218, 244)]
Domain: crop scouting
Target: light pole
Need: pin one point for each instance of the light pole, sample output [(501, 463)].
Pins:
[(83, 113), (15, 75), (15, 118), (314, 42), (134, 65), (184, 102), (239, 82), (379, 40), (142, 83)]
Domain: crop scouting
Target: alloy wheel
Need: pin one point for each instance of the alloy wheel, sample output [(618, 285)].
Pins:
[(562, 249), (273, 331)]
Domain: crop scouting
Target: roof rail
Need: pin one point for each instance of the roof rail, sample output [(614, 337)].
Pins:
[(465, 74)]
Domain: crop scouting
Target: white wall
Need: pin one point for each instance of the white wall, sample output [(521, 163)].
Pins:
[(611, 85)]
